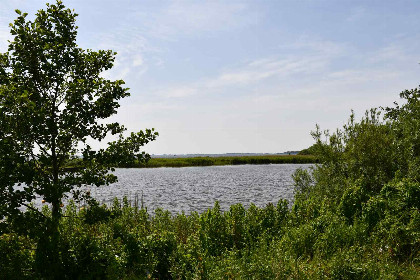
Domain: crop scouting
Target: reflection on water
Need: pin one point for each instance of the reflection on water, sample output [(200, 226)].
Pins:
[(197, 188)]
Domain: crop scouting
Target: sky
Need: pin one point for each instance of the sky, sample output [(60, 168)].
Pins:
[(246, 76)]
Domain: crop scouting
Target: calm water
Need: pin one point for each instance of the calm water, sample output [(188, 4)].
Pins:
[(197, 188)]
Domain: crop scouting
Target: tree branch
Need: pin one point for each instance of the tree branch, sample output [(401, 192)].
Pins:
[(33, 209)]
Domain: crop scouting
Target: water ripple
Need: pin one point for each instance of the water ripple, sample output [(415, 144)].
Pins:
[(197, 188)]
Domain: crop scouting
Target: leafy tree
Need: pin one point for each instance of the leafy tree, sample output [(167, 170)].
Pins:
[(309, 151), (405, 120), (52, 101), (360, 152)]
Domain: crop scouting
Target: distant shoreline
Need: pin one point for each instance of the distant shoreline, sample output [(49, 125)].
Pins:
[(223, 155), (224, 160)]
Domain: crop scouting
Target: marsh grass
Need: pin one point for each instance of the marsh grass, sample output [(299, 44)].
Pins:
[(124, 241), (210, 161)]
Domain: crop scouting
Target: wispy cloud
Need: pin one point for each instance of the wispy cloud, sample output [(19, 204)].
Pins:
[(270, 71), (291, 92), (141, 38), (312, 44), (393, 53), (259, 70), (130, 59), (177, 92)]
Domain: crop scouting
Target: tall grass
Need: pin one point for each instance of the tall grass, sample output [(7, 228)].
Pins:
[(271, 242), (209, 161)]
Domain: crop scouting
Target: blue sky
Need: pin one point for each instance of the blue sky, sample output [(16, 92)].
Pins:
[(247, 76)]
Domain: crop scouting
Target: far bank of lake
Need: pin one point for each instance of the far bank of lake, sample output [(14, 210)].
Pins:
[(226, 160)]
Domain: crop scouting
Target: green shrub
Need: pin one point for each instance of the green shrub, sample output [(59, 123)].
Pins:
[(16, 257)]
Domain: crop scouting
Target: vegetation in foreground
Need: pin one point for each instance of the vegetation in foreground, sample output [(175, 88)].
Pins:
[(355, 216), (225, 160)]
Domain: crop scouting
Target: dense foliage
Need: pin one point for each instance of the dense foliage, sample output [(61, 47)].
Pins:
[(309, 151), (53, 100)]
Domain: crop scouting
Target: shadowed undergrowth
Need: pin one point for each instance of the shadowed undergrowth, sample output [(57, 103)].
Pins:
[(273, 242)]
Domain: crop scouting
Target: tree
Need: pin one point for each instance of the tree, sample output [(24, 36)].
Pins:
[(52, 101), (309, 151), (405, 120)]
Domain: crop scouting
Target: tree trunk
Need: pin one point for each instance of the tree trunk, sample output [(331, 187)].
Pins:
[(49, 260), (56, 264), (48, 250)]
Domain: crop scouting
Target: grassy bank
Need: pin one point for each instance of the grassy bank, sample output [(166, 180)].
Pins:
[(209, 161)]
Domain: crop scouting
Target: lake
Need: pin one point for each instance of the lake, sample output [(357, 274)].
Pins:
[(197, 188)]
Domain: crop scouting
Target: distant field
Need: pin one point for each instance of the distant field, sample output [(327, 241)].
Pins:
[(209, 161)]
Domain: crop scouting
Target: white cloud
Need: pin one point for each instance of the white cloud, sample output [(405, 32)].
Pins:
[(130, 58), (137, 60), (360, 76), (267, 68), (314, 44), (390, 54), (177, 92)]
